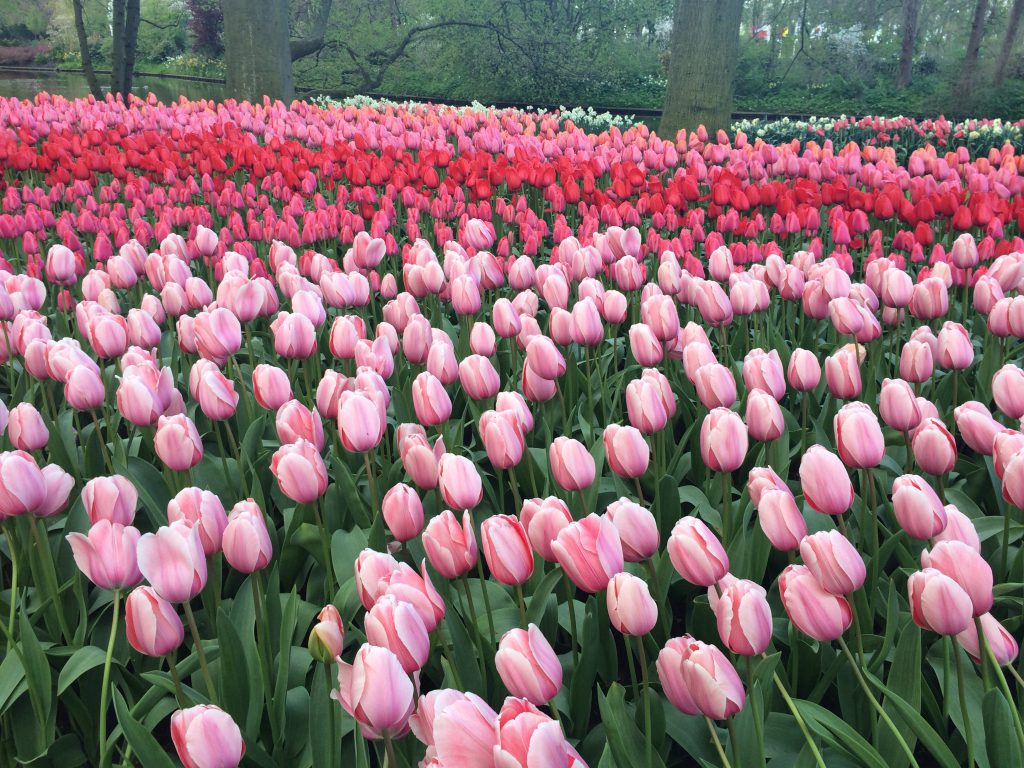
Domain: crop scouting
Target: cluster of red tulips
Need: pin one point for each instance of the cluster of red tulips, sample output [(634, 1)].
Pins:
[(463, 439)]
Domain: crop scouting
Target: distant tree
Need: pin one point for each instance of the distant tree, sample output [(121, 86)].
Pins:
[(124, 26), (1009, 39), (911, 16), (702, 65), (205, 23), (969, 65)]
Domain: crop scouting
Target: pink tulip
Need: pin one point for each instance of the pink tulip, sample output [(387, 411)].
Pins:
[(173, 562), (503, 438), (976, 426), (917, 507), (898, 406), (376, 691), (696, 553), (430, 399), (203, 510), (151, 623), (327, 638), (360, 422), (670, 674), (459, 482), (815, 612), (723, 440), (644, 345), (804, 370), (106, 555), (206, 737), (58, 490), (110, 498), (637, 529), (712, 681), (646, 407), (397, 626), (715, 385), (529, 738), (934, 447), (1002, 644), (572, 466), (372, 572), (959, 528), (246, 541), (216, 395), (300, 471), (626, 450), (177, 442), (83, 389), (859, 438), (955, 348), (450, 547), (403, 512), (764, 418), (1008, 390), (528, 665), (590, 552), (295, 422), (544, 358), (763, 370), (938, 603), (744, 618), (22, 484), (631, 609), (415, 588), (26, 429), (967, 568), (826, 485), (780, 519), (479, 377), (455, 726), (270, 386), (916, 362), (294, 335), (761, 479), (842, 372), (218, 334), (834, 561), (543, 520), (506, 549)]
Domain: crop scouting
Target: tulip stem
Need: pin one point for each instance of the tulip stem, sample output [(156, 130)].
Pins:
[(988, 655), (194, 629), (221, 450), (804, 406), (330, 580), (260, 631), (332, 714), (639, 489), (570, 590), (103, 444), (642, 654), (477, 637), (734, 743), (372, 484), (799, 720), (726, 508), (179, 694), (50, 574), (105, 690), (515, 489), (522, 605), (487, 601), (632, 669), (962, 696), (755, 711), (717, 742), (874, 703), (8, 534)]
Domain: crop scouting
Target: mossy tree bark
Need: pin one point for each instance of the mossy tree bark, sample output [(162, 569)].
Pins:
[(257, 57), (702, 65)]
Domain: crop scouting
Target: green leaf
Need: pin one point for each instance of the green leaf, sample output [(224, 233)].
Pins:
[(1000, 738), (241, 680), (905, 681), (152, 490), (931, 740), (12, 681), (81, 661), (149, 751), (37, 669), (837, 732), (625, 739), (539, 596)]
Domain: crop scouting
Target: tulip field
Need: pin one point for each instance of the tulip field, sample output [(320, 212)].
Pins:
[(414, 436)]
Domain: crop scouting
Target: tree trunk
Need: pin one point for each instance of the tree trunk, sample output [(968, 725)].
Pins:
[(911, 15), (968, 68), (83, 46), (702, 66), (133, 15), (1009, 40), (117, 48), (257, 58)]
